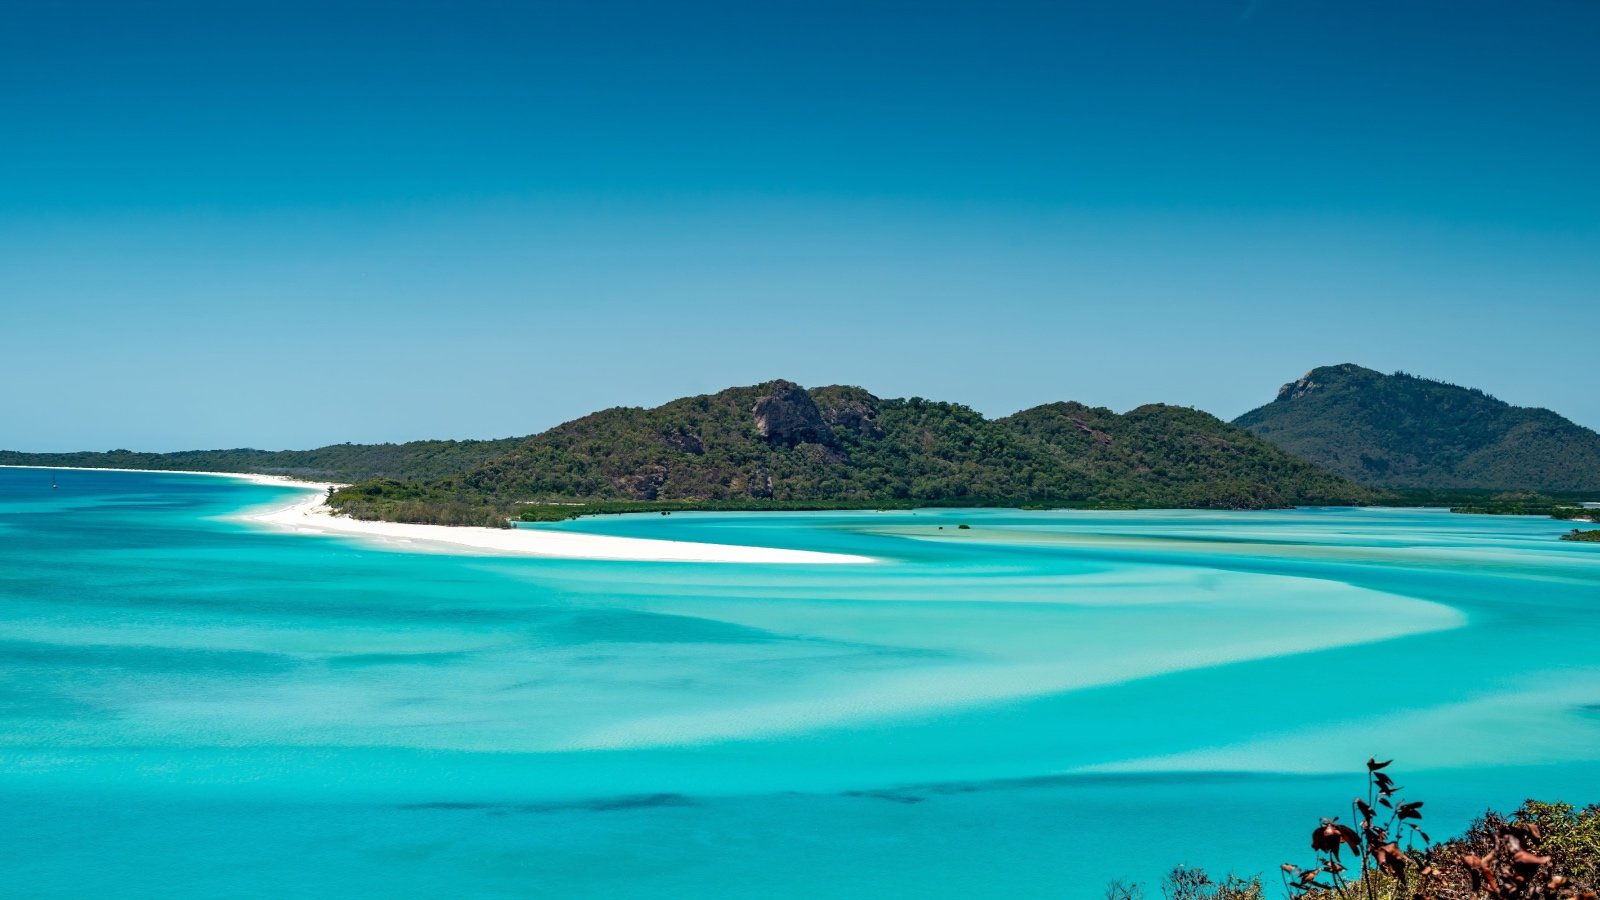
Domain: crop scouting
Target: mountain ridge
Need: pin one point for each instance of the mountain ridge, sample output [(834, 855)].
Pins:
[(1402, 431), (777, 444)]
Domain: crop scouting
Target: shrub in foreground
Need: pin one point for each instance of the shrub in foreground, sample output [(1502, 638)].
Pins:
[(1543, 851)]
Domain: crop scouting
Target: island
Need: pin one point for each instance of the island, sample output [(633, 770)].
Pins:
[(1341, 435)]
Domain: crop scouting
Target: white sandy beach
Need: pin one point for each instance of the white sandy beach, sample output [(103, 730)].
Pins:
[(309, 515)]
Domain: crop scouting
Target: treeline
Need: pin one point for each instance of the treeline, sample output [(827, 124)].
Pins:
[(1565, 507), (336, 462), (1557, 504), (556, 512), (420, 503)]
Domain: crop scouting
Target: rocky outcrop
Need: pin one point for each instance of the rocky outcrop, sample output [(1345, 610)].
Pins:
[(786, 415), (684, 441), (858, 413), (1095, 434), (760, 484), (1294, 390), (644, 485), (1325, 377)]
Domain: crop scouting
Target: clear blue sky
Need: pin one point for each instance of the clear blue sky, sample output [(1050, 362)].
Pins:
[(286, 224)]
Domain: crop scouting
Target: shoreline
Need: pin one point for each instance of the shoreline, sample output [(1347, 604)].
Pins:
[(307, 514), (310, 516)]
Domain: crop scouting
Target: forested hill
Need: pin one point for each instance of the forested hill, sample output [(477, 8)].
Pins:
[(338, 462), (1400, 431), (776, 445)]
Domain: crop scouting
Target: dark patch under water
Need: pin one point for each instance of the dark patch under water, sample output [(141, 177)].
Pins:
[(595, 804)]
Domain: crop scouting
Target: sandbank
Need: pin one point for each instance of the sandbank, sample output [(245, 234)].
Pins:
[(309, 514)]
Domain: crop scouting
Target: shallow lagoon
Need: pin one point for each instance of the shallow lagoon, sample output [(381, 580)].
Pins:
[(191, 706)]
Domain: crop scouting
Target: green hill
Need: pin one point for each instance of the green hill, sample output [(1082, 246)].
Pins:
[(1174, 455), (777, 445), (1400, 431)]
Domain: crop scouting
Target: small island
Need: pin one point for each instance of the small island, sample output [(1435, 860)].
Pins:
[(1592, 535)]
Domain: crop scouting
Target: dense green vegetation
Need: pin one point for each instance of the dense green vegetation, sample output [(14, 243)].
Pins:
[(1592, 535), (777, 446), (337, 462), (1399, 431), (1172, 455), (1556, 505)]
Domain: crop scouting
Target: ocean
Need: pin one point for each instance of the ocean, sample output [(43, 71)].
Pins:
[(193, 705)]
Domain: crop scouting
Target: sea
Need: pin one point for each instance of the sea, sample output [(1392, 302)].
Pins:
[(1004, 703)]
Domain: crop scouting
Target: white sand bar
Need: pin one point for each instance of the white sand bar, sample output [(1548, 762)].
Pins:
[(312, 516), (309, 514)]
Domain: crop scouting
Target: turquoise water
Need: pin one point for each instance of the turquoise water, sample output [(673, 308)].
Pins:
[(191, 706)]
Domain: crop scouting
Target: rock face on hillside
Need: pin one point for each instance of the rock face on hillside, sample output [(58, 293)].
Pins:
[(1294, 390), (1406, 432), (787, 415), (850, 408)]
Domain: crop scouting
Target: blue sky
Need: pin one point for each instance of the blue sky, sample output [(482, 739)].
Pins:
[(284, 224)]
